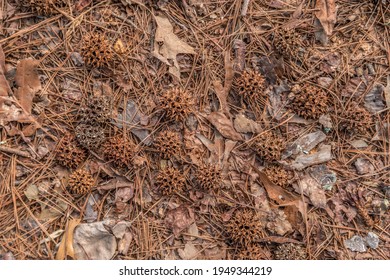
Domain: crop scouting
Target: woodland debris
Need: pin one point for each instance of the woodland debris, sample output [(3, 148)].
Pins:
[(224, 126), (304, 144), (27, 82), (324, 154), (94, 242), (167, 45), (244, 125)]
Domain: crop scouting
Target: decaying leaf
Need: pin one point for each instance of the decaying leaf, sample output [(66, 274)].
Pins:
[(66, 246), (326, 14), (134, 119), (374, 100), (94, 242), (189, 252), (4, 86), (179, 219), (304, 144), (167, 45), (224, 126), (278, 223), (28, 83), (308, 186), (244, 125)]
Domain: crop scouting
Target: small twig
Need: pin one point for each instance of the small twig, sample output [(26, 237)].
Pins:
[(244, 9), (14, 151)]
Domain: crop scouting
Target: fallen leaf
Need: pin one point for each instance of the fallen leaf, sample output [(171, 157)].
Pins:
[(167, 45), (311, 188), (5, 89), (224, 126), (326, 14), (179, 219), (278, 223), (189, 252), (31, 192), (374, 100), (133, 118), (28, 83), (244, 125), (66, 246), (94, 242)]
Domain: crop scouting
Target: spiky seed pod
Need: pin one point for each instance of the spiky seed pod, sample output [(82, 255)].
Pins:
[(290, 251), (356, 120), (80, 182), (209, 176), (68, 153), (250, 84), (96, 50), (309, 102), (269, 146), (89, 136), (253, 251), (170, 181), (96, 109), (176, 103), (244, 227), (120, 150), (42, 7), (288, 44), (169, 144), (278, 175)]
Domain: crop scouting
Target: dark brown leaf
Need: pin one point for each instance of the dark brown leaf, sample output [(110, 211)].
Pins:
[(224, 126)]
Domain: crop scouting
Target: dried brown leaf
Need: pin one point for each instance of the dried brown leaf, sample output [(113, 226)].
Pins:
[(66, 245), (4, 86), (179, 219), (28, 83), (224, 126), (387, 92), (326, 14), (167, 45)]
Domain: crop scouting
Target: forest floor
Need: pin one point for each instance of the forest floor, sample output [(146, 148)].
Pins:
[(145, 129)]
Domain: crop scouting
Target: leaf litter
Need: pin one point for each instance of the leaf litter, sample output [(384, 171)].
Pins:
[(327, 192)]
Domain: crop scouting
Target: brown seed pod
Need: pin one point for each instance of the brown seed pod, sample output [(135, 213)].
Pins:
[(80, 182), (288, 44), (290, 251), (169, 144), (244, 227), (309, 102), (89, 136), (209, 176), (253, 251), (356, 120), (269, 146), (278, 175), (176, 103), (120, 150), (68, 153), (96, 109), (96, 50), (42, 7), (170, 181), (250, 84)]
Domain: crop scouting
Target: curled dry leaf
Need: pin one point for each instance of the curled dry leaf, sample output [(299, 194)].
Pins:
[(28, 83), (167, 45), (66, 245), (179, 219), (326, 14), (224, 126), (189, 252)]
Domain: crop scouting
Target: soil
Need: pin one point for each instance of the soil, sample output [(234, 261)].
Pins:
[(194, 129)]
